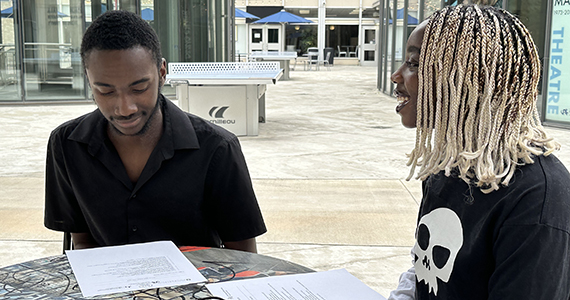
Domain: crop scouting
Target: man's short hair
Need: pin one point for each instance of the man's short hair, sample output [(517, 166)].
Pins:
[(120, 30)]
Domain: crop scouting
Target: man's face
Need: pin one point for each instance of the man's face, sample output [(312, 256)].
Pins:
[(125, 85), (406, 78)]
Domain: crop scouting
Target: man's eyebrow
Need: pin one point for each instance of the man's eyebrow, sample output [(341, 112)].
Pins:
[(140, 81), (132, 84)]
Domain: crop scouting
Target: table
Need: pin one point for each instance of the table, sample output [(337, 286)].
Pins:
[(284, 59), (51, 277), (348, 48), (312, 59), (229, 94)]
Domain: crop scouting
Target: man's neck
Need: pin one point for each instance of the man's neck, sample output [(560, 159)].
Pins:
[(135, 151)]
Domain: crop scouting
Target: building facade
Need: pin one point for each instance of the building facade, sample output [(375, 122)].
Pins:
[(40, 41), (546, 21)]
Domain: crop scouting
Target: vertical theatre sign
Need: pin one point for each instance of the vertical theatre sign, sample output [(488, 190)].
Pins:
[(558, 103)]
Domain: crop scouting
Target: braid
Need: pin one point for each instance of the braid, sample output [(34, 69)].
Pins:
[(477, 87)]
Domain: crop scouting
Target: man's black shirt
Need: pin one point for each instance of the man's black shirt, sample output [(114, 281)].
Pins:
[(194, 190)]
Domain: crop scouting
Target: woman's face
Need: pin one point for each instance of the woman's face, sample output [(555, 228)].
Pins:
[(406, 78)]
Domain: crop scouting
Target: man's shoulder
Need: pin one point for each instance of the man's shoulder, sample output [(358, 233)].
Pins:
[(65, 129)]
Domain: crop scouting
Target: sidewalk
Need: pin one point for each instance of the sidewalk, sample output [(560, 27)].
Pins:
[(328, 169)]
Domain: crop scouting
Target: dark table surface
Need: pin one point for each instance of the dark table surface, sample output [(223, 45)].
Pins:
[(52, 278)]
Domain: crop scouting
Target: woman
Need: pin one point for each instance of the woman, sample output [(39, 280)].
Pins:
[(494, 222)]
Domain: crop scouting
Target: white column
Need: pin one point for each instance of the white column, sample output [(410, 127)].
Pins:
[(360, 35), (321, 29)]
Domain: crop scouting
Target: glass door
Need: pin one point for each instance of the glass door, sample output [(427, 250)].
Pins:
[(265, 37), (51, 60), (367, 55), (10, 74)]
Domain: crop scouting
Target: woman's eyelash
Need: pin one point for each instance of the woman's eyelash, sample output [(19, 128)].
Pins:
[(412, 64)]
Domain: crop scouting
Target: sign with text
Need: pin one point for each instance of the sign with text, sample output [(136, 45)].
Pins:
[(558, 91)]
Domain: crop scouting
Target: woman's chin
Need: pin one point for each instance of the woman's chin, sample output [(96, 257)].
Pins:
[(408, 123)]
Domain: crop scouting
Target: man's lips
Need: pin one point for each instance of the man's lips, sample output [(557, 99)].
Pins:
[(129, 122)]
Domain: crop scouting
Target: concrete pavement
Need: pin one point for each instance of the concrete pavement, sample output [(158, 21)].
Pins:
[(328, 168)]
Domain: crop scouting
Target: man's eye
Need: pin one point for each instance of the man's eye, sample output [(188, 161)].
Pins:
[(106, 94), (138, 91)]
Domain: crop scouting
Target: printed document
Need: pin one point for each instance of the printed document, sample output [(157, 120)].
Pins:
[(115, 269), (329, 285)]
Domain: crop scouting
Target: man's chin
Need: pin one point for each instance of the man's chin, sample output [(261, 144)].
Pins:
[(126, 132)]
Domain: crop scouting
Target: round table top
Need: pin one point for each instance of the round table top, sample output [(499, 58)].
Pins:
[(52, 277)]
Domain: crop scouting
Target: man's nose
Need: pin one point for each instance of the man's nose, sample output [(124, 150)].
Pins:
[(126, 105)]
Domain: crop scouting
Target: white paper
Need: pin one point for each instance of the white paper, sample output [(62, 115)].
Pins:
[(329, 285), (133, 267)]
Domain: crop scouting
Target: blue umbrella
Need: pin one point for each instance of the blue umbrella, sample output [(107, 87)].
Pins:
[(147, 14), (283, 17), (400, 16), (242, 14), (7, 13)]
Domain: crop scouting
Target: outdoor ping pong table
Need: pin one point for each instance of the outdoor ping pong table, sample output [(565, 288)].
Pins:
[(229, 94), (284, 59)]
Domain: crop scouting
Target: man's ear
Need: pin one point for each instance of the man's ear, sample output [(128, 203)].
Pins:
[(162, 72)]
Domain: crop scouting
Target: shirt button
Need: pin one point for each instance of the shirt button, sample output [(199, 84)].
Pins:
[(134, 228), (134, 196)]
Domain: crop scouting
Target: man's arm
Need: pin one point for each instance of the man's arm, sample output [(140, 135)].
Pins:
[(83, 240), (249, 245)]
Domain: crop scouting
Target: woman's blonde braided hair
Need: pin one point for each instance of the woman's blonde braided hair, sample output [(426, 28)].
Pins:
[(477, 88)]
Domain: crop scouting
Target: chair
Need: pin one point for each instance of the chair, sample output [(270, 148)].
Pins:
[(340, 53), (355, 52), (67, 244), (325, 61), (312, 58)]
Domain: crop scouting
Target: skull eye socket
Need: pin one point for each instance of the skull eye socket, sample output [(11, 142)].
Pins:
[(423, 237), (440, 256)]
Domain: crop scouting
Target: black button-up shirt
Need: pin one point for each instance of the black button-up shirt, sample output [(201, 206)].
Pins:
[(194, 190)]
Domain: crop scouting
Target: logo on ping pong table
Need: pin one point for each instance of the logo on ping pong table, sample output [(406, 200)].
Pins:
[(218, 112)]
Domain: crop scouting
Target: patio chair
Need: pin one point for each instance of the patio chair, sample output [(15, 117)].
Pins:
[(355, 52), (340, 53), (312, 58), (325, 62)]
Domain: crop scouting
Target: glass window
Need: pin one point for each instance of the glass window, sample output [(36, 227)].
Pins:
[(301, 37), (10, 87), (51, 60), (256, 35), (344, 37), (430, 6), (273, 35)]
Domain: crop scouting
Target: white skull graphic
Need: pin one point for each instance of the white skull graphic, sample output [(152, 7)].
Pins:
[(439, 236)]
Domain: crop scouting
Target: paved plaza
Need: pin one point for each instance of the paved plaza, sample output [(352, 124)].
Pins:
[(328, 168)]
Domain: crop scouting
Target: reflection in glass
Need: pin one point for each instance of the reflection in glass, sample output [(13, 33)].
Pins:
[(272, 35), (301, 37), (256, 35), (10, 88), (52, 65)]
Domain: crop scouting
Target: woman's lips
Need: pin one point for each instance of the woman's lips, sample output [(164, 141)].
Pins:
[(402, 101)]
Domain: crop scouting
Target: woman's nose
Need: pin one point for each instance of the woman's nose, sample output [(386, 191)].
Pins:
[(396, 77)]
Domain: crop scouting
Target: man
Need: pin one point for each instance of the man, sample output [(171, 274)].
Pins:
[(139, 169), (494, 221)]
